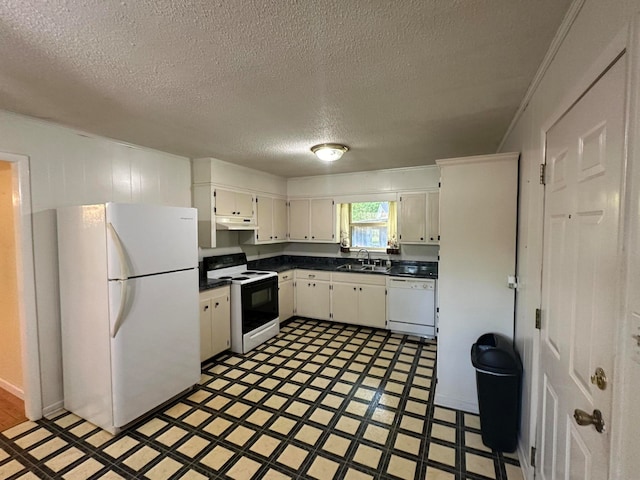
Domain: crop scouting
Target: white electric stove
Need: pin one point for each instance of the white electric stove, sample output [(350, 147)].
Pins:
[(254, 300)]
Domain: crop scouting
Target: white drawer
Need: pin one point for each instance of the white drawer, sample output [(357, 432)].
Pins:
[(313, 275)]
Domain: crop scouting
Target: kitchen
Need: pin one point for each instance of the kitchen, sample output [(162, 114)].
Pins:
[(84, 169)]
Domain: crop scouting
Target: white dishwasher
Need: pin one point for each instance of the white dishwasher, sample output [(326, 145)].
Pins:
[(411, 305)]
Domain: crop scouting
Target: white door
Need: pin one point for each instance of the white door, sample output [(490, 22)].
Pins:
[(155, 353), (147, 239), (579, 284)]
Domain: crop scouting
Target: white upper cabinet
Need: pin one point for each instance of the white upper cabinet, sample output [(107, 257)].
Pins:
[(280, 219), (419, 217), (271, 220), (230, 203), (264, 208), (312, 220), (433, 210), (413, 217), (322, 220), (299, 226)]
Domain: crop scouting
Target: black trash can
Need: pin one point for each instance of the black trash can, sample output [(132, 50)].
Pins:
[(498, 377)]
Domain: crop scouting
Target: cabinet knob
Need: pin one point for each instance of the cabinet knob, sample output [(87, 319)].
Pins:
[(218, 303), (271, 238), (206, 307), (421, 238), (354, 289), (313, 236), (305, 236), (360, 288)]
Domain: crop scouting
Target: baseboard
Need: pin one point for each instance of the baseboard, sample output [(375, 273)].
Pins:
[(52, 409), (456, 403), (525, 463), (12, 389)]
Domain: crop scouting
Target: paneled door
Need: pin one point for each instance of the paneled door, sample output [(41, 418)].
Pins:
[(584, 163)]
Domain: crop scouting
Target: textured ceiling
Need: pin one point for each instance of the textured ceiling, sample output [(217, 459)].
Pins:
[(258, 82)]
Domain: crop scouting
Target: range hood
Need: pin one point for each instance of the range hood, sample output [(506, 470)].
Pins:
[(235, 223)]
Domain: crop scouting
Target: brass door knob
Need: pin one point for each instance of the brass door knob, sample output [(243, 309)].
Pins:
[(583, 418)]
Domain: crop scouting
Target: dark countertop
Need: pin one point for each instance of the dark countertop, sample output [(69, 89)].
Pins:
[(208, 284), (282, 263), (403, 268)]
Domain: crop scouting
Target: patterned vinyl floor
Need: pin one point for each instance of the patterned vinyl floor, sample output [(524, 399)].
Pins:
[(321, 400)]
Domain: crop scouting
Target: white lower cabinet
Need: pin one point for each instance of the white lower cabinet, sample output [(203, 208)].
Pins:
[(285, 295), (359, 299), (313, 294), (215, 322)]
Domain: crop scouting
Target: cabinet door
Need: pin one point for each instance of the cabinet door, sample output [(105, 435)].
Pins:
[(322, 300), (279, 219), (322, 220), (225, 202), (299, 219), (206, 347), (305, 303), (413, 217), (221, 322), (265, 219), (313, 299), (244, 204), (434, 217), (285, 300), (344, 303), (372, 306)]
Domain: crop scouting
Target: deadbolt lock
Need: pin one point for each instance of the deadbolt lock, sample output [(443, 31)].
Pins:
[(583, 418), (599, 379)]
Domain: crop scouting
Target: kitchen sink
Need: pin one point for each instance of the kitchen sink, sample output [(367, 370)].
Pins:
[(363, 268)]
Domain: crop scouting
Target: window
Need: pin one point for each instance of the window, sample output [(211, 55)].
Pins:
[(370, 224)]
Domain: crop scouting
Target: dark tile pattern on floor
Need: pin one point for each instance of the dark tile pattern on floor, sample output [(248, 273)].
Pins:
[(321, 400)]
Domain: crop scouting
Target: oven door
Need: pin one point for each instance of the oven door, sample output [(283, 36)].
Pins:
[(259, 303)]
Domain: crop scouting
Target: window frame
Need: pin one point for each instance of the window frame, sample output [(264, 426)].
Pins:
[(367, 224)]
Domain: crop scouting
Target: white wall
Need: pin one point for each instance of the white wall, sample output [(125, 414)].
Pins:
[(212, 170), (595, 26), (70, 168), (363, 183)]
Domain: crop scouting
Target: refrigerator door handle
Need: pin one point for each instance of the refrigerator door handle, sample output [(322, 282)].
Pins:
[(124, 293), (124, 267)]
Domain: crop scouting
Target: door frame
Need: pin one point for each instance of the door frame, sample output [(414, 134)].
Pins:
[(626, 42), (27, 309)]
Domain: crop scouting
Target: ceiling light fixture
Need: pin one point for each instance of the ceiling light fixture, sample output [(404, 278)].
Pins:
[(329, 152)]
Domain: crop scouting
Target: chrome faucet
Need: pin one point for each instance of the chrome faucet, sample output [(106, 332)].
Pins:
[(368, 255)]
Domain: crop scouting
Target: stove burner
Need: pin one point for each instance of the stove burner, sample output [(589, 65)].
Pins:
[(228, 277), (240, 278), (252, 272)]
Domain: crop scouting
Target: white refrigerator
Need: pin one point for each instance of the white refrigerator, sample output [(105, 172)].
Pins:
[(129, 308)]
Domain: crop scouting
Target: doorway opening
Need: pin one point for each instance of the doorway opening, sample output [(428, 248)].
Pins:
[(20, 388), (11, 372)]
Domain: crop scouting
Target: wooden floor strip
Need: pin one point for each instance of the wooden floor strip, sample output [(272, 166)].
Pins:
[(11, 410)]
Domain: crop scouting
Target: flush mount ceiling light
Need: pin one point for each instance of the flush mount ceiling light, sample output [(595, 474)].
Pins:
[(329, 152)]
